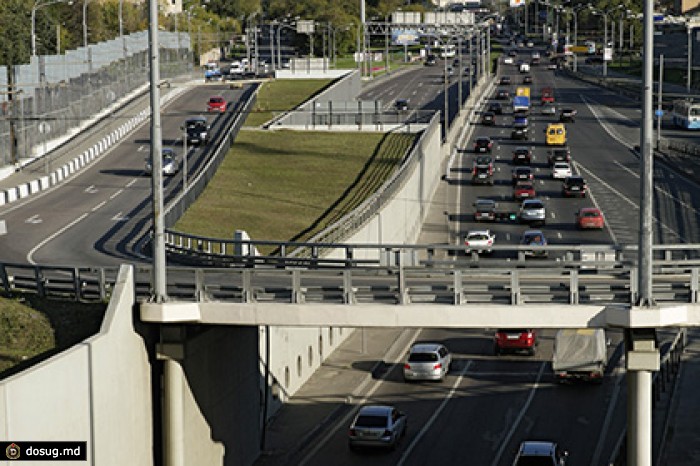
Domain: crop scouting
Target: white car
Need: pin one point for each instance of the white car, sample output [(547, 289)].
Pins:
[(561, 170), (479, 241), (508, 60), (530, 44)]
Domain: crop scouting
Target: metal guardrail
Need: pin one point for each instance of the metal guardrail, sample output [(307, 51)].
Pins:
[(663, 380), (383, 285)]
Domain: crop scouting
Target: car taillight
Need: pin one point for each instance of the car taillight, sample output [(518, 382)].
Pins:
[(595, 375), (474, 171), (407, 366), (466, 243), (489, 242), (437, 366)]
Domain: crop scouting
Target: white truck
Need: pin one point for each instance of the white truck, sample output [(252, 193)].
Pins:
[(580, 354)]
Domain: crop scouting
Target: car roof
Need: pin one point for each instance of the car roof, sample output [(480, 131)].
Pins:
[(401, 101), (533, 233), (590, 209), (521, 148), (425, 347), (532, 201), (561, 165), (479, 232), (522, 169), (375, 410), (483, 138), (537, 448), (485, 201)]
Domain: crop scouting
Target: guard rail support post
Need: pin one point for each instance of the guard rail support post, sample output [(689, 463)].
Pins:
[(514, 287), (102, 283), (76, 283), (573, 287), (348, 258), (39, 280), (634, 285), (5, 279), (694, 284), (458, 289), (348, 290), (247, 292), (199, 285), (403, 292), (297, 291), (430, 256)]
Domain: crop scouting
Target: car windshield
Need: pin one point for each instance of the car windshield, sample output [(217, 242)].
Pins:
[(484, 205), (196, 125), (533, 205), (575, 182), (590, 214), (423, 357), (561, 166), (478, 237), (216, 100), (365, 420)]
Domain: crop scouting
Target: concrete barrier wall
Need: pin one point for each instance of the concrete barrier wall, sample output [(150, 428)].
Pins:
[(98, 391)]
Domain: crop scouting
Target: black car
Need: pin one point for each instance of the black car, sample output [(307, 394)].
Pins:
[(485, 210), (567, 115), (197, 130), (574, 186), (522, 156), (527, 79), (482, 174), (522, 174), (488, 119), (559, 155), (520, 133), (483, 144), (431, 60), (502, 94), (496, 108), (401, 104), (505, 81), (513, 53)]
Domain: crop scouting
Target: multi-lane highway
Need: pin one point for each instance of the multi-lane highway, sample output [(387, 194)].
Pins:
[(98, 216)]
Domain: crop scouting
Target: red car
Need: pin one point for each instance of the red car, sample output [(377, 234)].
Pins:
[(523, 190), (515, 340), (590, 217), (216, 104), (547, 95)]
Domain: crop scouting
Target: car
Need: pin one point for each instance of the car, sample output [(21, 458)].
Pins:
[(170, 163), (216, 103), (482, 175), (513, 53), (427, 361), (401, 105), (505, 81), (485, 210), (496, 108), (521, 44), (567, 115), (508, 60), (522, 156), (534, 238), (483, 161), (523, 190), (430, 60), (197, 130), (524, 67), (594, 60), (535, 61), (547, 95), (522, 174), (377, 426), (479, 241), (527, 79), (555, 134), (520, 133), (488, 119), (590, 217), (502, 94), (540, 453), (561, 170), (515, 340), (449, 73), (530, 44), (548, 109), (574, 185), (552, 66), (532, 211), (483, 144), (535, 54), (562, 154)]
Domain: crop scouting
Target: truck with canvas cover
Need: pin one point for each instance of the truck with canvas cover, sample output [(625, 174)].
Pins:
[(580, 354)]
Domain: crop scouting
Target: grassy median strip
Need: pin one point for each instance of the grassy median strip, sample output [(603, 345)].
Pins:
[(289, 185), (278, 96)]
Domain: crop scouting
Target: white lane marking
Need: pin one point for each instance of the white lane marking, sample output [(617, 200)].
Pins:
[(116, 194), (414, 93), (51, 237), (98, 206), (608, 128), (34, 219), (506, 440), (143, 148), (130, 183), (120, 218), (345, 421), (91, 189), (436, 413), (606, 423)]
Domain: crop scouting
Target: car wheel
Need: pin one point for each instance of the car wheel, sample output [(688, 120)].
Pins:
[(531, 351)]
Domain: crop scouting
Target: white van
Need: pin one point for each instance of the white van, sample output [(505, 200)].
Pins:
[(524, 67)]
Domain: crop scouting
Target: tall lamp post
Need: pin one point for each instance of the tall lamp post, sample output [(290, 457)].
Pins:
[(604, 14), (38, 5), (575, 11)]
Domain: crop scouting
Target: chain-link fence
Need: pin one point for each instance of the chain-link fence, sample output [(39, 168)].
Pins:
[(54, 95)]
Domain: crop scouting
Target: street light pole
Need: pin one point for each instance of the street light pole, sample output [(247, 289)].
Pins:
[(38, 5), (690, 59)]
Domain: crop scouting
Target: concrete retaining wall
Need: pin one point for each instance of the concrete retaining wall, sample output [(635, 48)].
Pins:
[(98, 391)]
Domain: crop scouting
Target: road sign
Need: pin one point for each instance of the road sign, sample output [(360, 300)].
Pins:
[(659, 113), (607, 54)]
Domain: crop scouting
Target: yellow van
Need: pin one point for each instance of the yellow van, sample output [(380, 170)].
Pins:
[(555, 134)]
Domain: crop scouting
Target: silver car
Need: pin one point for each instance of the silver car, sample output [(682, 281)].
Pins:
[(532, 211), (170, 163), (377, 426), (427, 361)]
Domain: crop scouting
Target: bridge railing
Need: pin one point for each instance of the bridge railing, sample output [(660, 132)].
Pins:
[(395, 284)]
